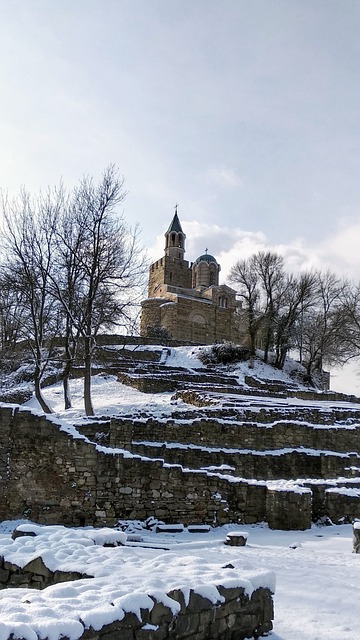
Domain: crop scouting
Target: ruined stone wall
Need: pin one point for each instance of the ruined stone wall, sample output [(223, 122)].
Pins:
[(236, 618), (250, 435), (287, 465), (52, 477)]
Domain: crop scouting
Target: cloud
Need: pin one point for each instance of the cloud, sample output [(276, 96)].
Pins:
[(338, 252), (224, 177)]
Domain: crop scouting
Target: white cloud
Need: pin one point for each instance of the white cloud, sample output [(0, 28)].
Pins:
[(224, 177), (338, 252)]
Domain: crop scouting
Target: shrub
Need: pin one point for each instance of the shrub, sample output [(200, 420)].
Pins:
[(224, 353)]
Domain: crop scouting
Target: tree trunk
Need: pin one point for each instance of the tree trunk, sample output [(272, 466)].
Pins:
[(67, 371), (89, 410), (38, 395), (66, 386)]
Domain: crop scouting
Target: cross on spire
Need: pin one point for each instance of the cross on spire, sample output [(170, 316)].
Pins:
[(176, 207), (206, 250)]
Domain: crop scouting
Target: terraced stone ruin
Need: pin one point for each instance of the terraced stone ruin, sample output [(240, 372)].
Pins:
[(225, 452)]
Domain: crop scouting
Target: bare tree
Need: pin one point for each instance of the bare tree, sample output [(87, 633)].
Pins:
[(323, 330), (104, 265), (12, 312), (299, 295), (270, 268), (29, 234), (349, 321), (245, 276)]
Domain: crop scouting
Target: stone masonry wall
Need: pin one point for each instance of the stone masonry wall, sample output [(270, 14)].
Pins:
[(287, 465), (237, 618), (249, 435), (52, 477)]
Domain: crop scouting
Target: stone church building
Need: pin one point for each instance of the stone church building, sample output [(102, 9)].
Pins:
[(187, 299)]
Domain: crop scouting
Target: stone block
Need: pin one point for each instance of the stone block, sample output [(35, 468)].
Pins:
[(4, 576), (237, 538), (356, 537), (160, 614), (198, 603), (38, 567)]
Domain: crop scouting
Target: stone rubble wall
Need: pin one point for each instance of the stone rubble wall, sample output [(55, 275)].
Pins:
[(51, 477), (237, 618), (35, 575), (238, 435), (258, 436), (287, 465)]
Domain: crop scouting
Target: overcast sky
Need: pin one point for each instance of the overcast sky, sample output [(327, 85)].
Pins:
[(244, 112)]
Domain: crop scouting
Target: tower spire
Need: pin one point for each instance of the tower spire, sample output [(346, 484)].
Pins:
[(175, 238)]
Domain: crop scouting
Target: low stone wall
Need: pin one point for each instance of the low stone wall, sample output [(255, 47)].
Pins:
[(35, 575), (236, 618), (288, 510), (287, 464), (257, 436), (51, 477), (342, 506)]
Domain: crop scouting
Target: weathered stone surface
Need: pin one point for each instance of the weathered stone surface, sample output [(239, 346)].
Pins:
[(356, 537), (37, 566), (236, 539), (51, 478), (20, 534), (288, 509)]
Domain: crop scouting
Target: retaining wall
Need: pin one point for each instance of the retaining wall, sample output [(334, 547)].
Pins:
[(53, 477), (248, 435)]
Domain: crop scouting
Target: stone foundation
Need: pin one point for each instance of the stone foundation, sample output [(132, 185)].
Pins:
[(35, 575), (236, 618)]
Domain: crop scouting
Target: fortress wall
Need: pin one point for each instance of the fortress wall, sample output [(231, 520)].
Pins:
[(287, 465), (236, 618)]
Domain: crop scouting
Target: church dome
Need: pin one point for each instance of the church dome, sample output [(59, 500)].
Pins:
[(206, 257)]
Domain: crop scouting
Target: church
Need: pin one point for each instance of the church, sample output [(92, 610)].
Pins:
[(186, 299)]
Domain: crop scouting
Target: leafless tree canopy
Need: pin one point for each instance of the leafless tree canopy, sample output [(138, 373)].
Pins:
[(314, 313), (70, 266)]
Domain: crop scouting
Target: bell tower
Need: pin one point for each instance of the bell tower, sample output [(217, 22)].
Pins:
[(175, 239), (171, 270)]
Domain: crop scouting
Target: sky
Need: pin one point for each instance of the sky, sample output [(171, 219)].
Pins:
[(246, 113)]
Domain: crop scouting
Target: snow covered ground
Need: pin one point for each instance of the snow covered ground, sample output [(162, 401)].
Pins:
[(111, 397), (317, 578)]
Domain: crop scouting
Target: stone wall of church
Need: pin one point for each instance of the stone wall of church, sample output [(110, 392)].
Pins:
[(168, 271), (189, 319)]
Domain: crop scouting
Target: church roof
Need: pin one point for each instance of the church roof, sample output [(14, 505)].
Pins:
[(206, 257), (175, 225)]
